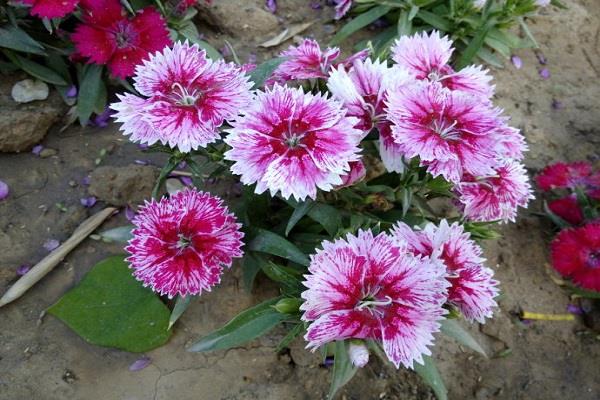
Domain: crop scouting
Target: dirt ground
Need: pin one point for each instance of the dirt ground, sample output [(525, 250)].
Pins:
[(40, 358)]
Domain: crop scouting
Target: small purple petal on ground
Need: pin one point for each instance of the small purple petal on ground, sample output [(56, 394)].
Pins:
[(72, 91), (316, 5), (186, 180), (101, 120), (140, 364), (252, 58), (574, 309), (51, 244), (557, 104), (271, 5), (4, 190), (37, 149), (23, 269), (225, 51), (141, 162), (527, 322), (541, 58), (143, 146), (86, 180), (517, 62), (129, 213), (88, 202), (328, 361), (545, 73), (182, 165)]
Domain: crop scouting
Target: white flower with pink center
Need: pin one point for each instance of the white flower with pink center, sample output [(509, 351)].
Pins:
[(187, 97), (427, 57), (473, 288), (496, 196), (181, 244), (363, 90), (371, 287), (450, 131), (293, 142)]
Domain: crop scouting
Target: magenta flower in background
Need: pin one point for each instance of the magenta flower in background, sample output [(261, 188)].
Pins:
[(568, 209), (293, 142), (452, 132), (51, 8), (308, 61), (187, 98), (473, 288), (568, 176), (366, 287), (108, 36), (181, 244), (496, 196), (427, 58)]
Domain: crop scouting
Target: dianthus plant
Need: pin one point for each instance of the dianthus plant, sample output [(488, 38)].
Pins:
[(366, 186)]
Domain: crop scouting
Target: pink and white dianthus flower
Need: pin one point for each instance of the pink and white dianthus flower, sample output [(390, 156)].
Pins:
[(371, 287), (510, 142), (473, 288), (356, 174), (342, 7), (363, 90), (181, 244), (496, 196), (450, 131), (308, 61), (427, 57), (187, 97), (293, 142)]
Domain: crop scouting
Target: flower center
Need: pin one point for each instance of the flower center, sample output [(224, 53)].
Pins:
[(125, 34), (183, 96), (293, 140), (434, 75), (183, 242), (446, 130), (593, 260), (371, 302)]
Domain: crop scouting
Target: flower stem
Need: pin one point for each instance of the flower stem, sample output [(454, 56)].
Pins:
[(169, 167)]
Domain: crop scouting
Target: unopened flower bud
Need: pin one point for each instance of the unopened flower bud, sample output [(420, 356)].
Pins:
[(358, 353), (288, 306)]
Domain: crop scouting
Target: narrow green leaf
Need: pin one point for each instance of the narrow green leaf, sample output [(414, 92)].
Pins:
[(181, 304), (469, 53), (264, 70), (328, 216), (588, 294), (288, 277), (343, 370), (38, 71), (121, 234), (404, 24), (434, 20), (248, 325), (528, 32), (12, 37), (558, 221), (271, 243), (452, 328), (111, 308), (250, 267), (101, 99), (89, 90), (300, 211), (296, 331), (490, 58), (211, 52), (360, 22), (430, 374)]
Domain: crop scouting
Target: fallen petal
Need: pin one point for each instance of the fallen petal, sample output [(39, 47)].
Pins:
[(51, 244), (140, 364), (3, 190)]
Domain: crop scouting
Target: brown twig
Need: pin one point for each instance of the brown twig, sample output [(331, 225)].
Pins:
[(48, 263)]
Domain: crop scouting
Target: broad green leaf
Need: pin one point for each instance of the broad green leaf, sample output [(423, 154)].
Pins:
[(434, 20), (121, 234), (432, 377), (38, 71), (89, 91), (360, 22), (15, 38), (452, 328), (488, 57), (110, 308), (469, 53), (101, 99), (288, 277), (181, 304), (264, 70), (299, 211), (343, 370), (328, 216), (268, 242), (248, 325)]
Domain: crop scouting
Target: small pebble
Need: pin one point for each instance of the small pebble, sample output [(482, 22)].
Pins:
[(45, 153)]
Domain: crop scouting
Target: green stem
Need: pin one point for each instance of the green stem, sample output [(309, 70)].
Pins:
[(169, 167)]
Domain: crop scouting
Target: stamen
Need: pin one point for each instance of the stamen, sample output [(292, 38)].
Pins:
[(374, 303)]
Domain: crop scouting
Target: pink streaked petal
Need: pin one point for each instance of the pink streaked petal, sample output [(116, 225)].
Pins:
[(473, 291), (471, 79), (422, 54), (336, 325), (129, 112)]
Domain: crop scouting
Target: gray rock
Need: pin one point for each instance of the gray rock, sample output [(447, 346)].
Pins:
[(29, 90), (122, 186), (248, 20)]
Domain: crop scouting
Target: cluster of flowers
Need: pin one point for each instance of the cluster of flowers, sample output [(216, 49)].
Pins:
[(576, 249), (107, 35), (392, 287)]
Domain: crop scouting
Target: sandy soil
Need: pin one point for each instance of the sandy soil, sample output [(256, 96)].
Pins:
[(43, 359)]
